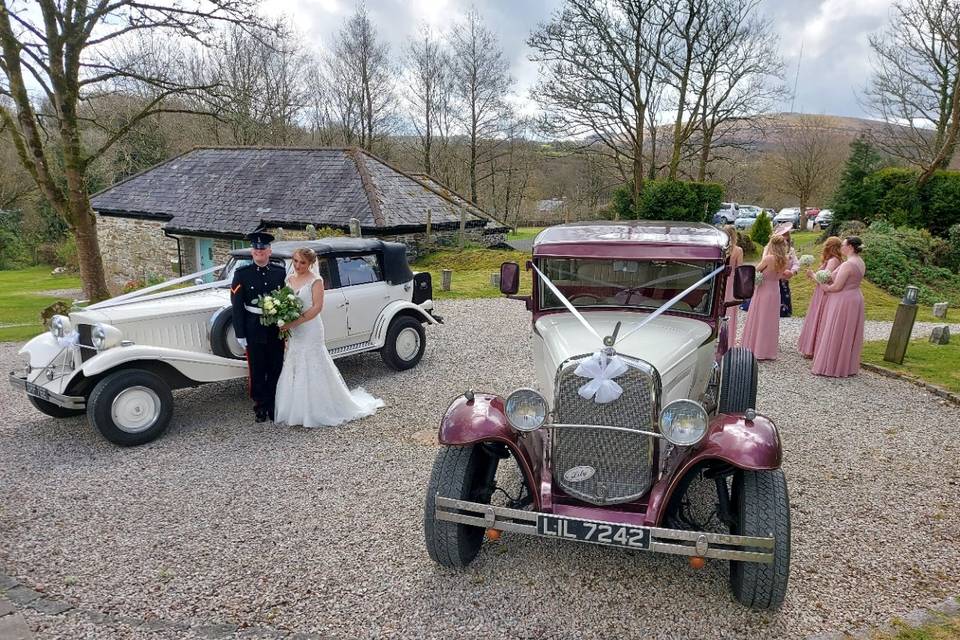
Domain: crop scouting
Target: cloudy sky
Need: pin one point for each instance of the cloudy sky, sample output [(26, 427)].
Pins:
[(833, 34)]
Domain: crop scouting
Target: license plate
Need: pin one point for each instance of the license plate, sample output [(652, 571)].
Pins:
[(37, 391), (618, 535)]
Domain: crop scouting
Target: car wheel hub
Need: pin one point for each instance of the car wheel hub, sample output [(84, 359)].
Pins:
[(135, 409), (408, 343)]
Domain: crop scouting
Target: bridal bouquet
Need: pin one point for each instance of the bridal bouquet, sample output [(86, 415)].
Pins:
[(806, 261), (823, 276), (279, 307)]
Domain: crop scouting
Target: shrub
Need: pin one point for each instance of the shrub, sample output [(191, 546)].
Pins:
[(745, 242), (621, 203), (950, 256), (329, 232), (66, 254), (895, 196), (851, 200), (761, 229), (668, 200), (897, 257), (941, 202), (709, 196)]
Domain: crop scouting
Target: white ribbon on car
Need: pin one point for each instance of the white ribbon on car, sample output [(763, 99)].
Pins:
[(70, 340), (605, 365)]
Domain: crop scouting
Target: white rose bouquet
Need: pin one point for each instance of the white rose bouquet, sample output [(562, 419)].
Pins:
[(823, 276), (279, 307), (806, 261)]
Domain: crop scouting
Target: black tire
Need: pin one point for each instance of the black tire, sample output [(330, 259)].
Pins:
[(222, 336), (461, 473), (738, 381), (402, 328), (146, 393), (762, 508), (53, 410)]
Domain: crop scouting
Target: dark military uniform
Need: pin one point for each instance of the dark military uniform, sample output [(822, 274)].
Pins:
[(264, 346)]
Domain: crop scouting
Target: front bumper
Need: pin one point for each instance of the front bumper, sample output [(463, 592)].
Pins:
[(38, 391), (685, 543)]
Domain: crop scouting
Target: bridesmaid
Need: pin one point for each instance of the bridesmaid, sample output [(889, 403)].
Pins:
[(761, 333), (837, 350), (830, 259), (736, 259)]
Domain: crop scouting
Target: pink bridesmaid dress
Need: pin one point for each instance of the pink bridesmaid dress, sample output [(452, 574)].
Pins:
[(761, 332), (811, 323), (837, 351), (736, 259)]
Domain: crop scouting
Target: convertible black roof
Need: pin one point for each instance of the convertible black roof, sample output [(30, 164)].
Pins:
[(396, 269)]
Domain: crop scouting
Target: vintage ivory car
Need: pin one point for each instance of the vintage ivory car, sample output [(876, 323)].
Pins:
[(636, 395), (120, 359)]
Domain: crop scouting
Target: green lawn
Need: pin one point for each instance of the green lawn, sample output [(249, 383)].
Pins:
[(525, 233), (471, 268), (933, 363), (22, 299)]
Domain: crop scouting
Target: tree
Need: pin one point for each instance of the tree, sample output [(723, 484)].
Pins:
[(76, 51), (805, 160), (360, 76), (482, 83), (429, 95), (915, 86), (599, 67), (850, 200)]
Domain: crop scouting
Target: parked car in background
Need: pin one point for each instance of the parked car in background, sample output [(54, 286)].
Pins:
[(824, 218), (748, 215), (788, 214), (727, 213), (119, 360), (635, 395)]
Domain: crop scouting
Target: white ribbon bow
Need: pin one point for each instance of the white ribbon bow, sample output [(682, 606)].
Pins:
[(601, 369), (72, 339)]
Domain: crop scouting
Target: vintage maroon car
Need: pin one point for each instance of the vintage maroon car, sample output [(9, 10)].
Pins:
[(637, 395)]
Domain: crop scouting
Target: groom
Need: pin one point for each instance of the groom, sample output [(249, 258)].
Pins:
[(263, 344)]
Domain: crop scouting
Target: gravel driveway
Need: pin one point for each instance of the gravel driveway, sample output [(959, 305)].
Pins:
[(224, 521)]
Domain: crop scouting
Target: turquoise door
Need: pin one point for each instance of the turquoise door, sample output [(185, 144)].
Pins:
[(205, 255)]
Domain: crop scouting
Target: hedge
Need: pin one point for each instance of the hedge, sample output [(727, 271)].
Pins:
[(669, 200)]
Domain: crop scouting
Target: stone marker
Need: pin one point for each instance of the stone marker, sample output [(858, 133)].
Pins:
[(446, 277), (940, 309), (354, 228), (495, 280), (940, 335)]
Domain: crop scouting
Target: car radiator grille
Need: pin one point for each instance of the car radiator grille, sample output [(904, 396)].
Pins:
[(85, 340), (622, 462)]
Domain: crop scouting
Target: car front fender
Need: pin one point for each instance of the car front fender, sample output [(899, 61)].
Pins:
[(482, 419), (195, 366), (389, 312), (752, 445)]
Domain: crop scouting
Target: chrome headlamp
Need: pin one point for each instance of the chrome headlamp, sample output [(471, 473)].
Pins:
[(60, 326), (526, 410), (683, 422), (104, 336)]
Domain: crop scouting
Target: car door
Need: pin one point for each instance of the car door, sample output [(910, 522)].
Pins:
[(361, 281), (334, 312)]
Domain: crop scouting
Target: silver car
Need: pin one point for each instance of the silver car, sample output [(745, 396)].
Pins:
[(747, 216), (788, 214)]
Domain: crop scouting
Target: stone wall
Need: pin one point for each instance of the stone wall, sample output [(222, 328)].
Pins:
[(136, 250)]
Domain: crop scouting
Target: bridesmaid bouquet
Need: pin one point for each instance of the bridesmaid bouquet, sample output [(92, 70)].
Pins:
[(823, 276), (758, 279), (279, 307), (806, 261)]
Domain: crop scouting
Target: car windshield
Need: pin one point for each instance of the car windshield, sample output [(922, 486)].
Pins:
[(627, 283)]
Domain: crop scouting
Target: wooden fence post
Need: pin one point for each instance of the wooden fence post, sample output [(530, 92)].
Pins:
[(446, 278), (463, 226), (429, 227)]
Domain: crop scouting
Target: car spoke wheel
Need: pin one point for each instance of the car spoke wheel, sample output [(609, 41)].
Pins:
[(464, 473), (762, 509), (135, 409), (404, 344), (131, 406)]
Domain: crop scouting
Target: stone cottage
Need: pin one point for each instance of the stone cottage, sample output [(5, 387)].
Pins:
[(187, 213)]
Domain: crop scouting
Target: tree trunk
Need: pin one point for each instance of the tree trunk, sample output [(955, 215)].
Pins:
[(704, 156), (803, 212)]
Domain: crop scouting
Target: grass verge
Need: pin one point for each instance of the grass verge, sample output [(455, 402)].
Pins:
[(938, 364), (946, 629), (472, 268), (22, 299), (524, 233)]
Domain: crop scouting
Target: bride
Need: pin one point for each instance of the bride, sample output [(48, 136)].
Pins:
[(311, 392)]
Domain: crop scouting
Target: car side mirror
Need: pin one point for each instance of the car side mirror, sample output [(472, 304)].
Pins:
[(743, 281), (509, 278)]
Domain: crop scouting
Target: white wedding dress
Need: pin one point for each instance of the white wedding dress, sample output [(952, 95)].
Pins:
[(311, 392)]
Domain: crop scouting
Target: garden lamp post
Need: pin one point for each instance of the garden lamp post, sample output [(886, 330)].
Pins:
[(902, 326)]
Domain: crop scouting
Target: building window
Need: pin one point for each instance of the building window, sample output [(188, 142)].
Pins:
[(238, 244)]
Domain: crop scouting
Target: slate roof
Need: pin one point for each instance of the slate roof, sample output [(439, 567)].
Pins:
[(233, 191)]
